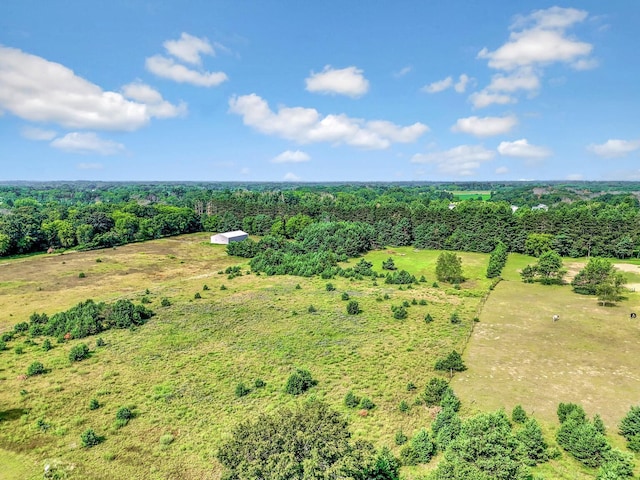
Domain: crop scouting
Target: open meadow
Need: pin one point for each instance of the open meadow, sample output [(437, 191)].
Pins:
[(178, 372)]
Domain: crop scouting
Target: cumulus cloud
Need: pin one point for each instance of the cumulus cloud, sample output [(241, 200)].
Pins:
[(87, 143), (38, 134), (290, 156), (463, 160), (307, 125), (614, 148), (536, 41), (346, 81), (38, 90), (156, 105), (484, 99), (485, 126), (167, 68), (540, 40), (291, 177), (461, 85), (523, 149), (438, 86), (188, 48)]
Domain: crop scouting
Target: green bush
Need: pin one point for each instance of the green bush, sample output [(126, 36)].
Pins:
[(330, 287), (629, 428), (450, 401), (408, 456), (353, 308), (82, 275), (345, 296), (423, 446), (197, 295), (399, 313), (123, 416), (518, 415), (434, 391), (36, 368), (89, 438), (223, 287), (21, 327), (312, 309), (453, 362), (79, 352), (366, 404), (242, 390), (165, 302), (259, 383), (299, 382), (454, 318), (166, 439), (404, 406), (428, 318), (46, 345), (401, 438), (411, 387), (100, 342), (351, 400), (205, 287), (94, 404)]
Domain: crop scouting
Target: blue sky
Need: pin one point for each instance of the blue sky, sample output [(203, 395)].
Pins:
[(267, 90)]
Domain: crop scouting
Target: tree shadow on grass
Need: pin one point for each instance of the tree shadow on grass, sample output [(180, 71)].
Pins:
[(12, 414)]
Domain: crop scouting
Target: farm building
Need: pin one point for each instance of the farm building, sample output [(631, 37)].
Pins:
[(228, 237)]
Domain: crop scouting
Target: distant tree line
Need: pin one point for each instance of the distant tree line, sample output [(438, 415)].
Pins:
[(36, 217)]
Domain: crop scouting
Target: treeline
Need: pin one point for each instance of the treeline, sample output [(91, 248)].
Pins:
[(425, 216)]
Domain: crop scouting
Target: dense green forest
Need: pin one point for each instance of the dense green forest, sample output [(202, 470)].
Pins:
[(577, 219)]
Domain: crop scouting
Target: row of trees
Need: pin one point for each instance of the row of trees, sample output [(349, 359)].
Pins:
[(35, 218)]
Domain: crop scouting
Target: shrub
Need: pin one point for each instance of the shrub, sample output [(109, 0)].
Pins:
[(78, 352), (353, 308), (388, 264), (399, 313), (123, 415), (89, 438), (434, 391), (386, 296), (533, 443), (100, 342), (408, 456), (428, 318), (98, 260), (330, 287), (351, 400), (565, 409), (345, 296), (423, 446), (197, 295), (445, 428), (312, 309), (422, 302), (205, 287), (259, 383), (165, 302), (46, 345), (404, 406), (21, 327), (401, 438), (145, 300), (223, 287), (580, 438), (366, 404), (299, 382), (453, 362), (298, 287), (435, 285), (94, 404), (411, 387), (166, 439), (242, 390), (454, 318), (82, 275), (518, 415), (18, 349), (422, 279), (36, 368), (617, 465), (629, 428), (450, 401)]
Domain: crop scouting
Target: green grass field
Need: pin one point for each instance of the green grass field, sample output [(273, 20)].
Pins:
[(179, 371), (471, 194)]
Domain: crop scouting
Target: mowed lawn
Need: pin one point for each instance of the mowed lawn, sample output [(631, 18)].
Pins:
[(179, 371), (518, 355)]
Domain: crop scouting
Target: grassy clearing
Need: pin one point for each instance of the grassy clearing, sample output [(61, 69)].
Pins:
[(178, 372), (471, 194), (518, 355)]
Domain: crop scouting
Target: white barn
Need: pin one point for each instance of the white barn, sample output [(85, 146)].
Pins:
[(228, 237)]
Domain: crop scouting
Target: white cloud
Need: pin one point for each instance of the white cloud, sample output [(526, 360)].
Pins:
[(87, 143), (575, 176), (156, 105), (461, 85), (485, 126), (522, 149), (346, 81), (463, 160), (38, 134), (502, 170), (585, 64), (542, 40), (403, 71), (290, 156), (484, 99), (521, 79), (306, 125), (167, 68), (438, 86), (291, 177), (188, 48), (38, 90), (614, 148), (89, 166)]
